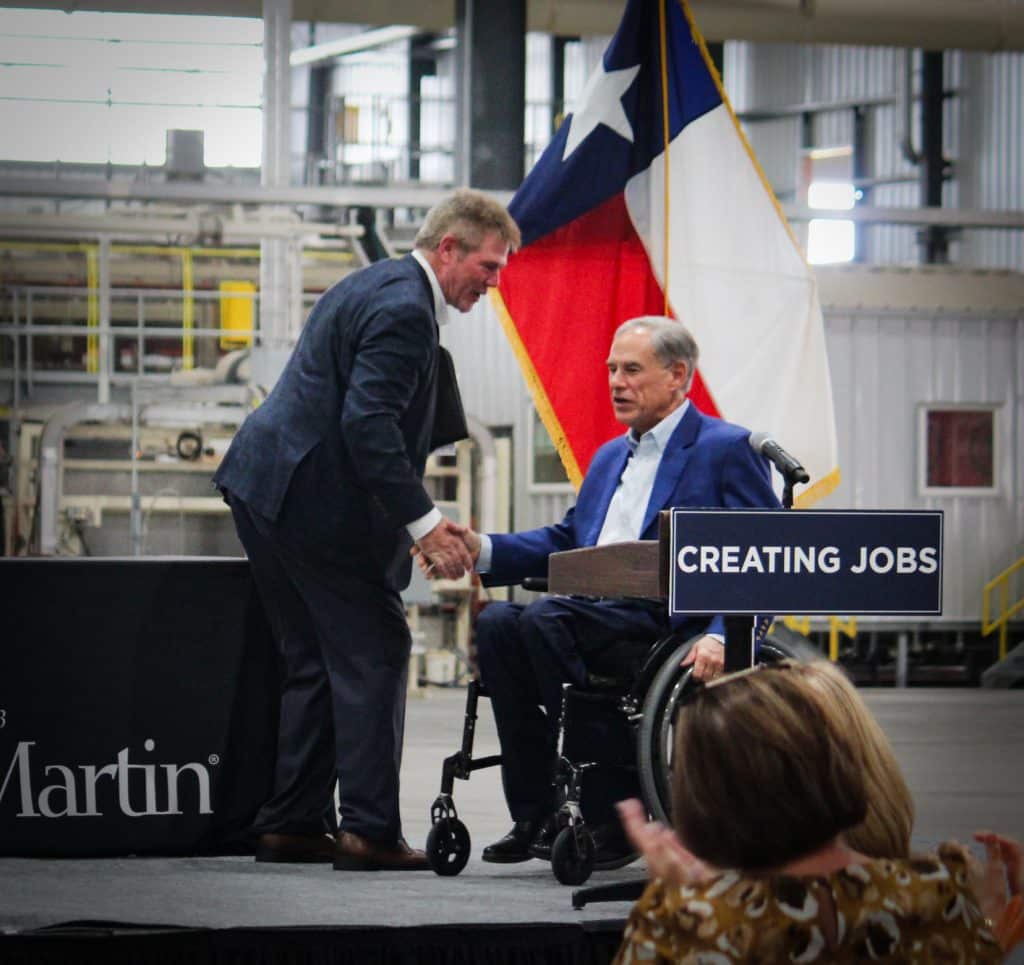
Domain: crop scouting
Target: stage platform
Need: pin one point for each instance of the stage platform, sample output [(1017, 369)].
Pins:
[(961, 750)]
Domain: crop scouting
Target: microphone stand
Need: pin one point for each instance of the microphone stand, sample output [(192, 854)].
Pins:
[(787, 489)]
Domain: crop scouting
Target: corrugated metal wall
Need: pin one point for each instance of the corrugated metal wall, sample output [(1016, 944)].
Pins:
[(884, 367), (990, 165), (494, 392), (983, 134)]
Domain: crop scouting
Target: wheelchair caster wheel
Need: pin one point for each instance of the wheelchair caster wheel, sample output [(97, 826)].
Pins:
[(448, 846), (572, 856)]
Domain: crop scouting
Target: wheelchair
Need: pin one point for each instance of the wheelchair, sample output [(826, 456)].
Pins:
[(642, 685)]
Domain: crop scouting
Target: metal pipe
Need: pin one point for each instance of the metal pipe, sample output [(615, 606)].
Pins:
[(105, 340), (347, 196), (907, 148)]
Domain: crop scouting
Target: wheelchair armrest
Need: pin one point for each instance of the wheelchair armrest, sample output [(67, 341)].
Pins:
[(538, 584)]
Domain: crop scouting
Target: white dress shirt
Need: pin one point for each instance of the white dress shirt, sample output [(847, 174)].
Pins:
[(419, 528), (625, 515)]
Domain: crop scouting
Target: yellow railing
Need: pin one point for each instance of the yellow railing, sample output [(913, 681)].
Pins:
[(1006, 609), (836, 625), (187, 256)]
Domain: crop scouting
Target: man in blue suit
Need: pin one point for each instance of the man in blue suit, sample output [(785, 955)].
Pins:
[(324, 480), (672, 455)]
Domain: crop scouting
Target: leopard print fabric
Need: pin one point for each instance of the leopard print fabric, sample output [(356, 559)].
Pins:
[(919, 910)]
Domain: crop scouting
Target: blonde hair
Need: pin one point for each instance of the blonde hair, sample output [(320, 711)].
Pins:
[(764, 772), (887, 826), (469, 216), (773, 762)]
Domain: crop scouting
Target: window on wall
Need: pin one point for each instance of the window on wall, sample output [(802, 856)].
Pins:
[(826, 181), (958, 450), (546, 469)]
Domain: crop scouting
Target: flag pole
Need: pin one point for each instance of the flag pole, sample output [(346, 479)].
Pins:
[(663, 38)]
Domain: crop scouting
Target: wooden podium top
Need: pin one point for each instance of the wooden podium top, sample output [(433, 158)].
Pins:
[(635, 568)]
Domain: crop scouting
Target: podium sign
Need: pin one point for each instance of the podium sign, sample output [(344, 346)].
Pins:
[(807, 562)]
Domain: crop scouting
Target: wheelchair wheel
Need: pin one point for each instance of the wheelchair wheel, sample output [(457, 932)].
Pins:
[(572, 855), (448, 846), (656, 734)]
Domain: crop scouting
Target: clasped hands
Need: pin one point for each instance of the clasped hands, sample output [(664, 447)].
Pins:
[(447, 551)]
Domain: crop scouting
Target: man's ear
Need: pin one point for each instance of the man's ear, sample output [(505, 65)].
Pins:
[(448, 246), (681, 371)]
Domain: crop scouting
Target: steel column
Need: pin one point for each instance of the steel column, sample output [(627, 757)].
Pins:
[(491, 92), (277, 319)]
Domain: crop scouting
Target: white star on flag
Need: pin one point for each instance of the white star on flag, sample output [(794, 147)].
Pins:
[(601, 103)]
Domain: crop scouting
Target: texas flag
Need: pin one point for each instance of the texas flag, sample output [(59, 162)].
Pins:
[(648, 200)]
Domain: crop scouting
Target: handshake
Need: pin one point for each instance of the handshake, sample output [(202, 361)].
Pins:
[(447, 551)]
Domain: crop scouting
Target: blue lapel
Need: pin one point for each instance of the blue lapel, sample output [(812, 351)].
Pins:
[(607, 483), (673, 462)]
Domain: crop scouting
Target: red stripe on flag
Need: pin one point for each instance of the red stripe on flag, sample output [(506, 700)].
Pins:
[(566, 294)]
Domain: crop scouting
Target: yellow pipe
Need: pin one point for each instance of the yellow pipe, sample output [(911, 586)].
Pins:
[(799, 624), (836, 626), (75, 246), (186, 253), (188, 313), (196, 252), (1006, 609), (92, 312), (125, 249)]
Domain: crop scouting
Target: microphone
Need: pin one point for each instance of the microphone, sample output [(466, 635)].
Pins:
[(791, 470)]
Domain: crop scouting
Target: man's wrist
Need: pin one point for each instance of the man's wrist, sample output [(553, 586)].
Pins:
[(419, 528), (483, 558)]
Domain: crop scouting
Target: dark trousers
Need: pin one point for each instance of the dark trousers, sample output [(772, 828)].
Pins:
[(345, 649), (525, 654)]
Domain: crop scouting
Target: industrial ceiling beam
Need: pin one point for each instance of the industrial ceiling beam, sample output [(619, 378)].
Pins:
[(332, 49), (198, 192), (409, 196), (932, 24)]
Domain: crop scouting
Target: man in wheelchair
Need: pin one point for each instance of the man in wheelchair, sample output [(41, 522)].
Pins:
[(672, 455)]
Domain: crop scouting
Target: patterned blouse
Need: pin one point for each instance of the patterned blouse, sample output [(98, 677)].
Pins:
[(919, 910)]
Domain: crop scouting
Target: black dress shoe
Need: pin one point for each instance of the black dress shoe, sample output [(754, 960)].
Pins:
[(295, 848), (515, 846), (356, 853), (545, 838)]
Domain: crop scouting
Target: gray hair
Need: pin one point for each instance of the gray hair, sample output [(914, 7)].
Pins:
[(671, 341), (468, 215)]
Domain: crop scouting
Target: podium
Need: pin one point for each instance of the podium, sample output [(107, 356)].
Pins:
[(640, 568)]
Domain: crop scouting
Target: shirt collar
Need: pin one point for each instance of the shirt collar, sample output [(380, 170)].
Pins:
[(662, 432), (440, 305)]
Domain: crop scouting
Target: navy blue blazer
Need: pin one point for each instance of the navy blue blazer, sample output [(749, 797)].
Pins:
[(707, 463), (335, 454)]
